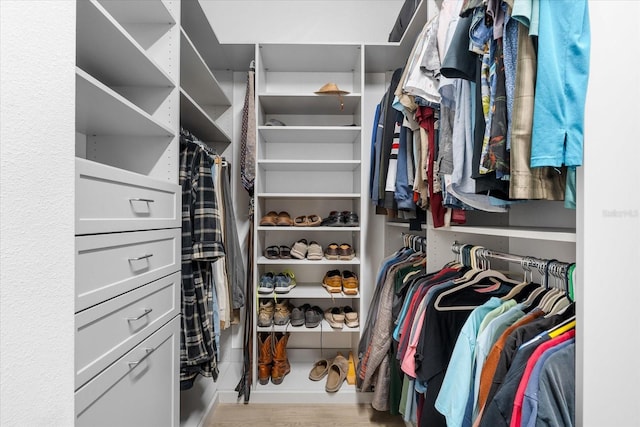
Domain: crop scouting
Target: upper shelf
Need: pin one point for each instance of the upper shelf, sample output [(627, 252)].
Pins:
[(318, 58), (216, 55), (310, 134), (102, 111), (309, 104), (535, 233), (196, 78), (108, 52), (138, 11), (309, 165), (379, 58), (198, 121)]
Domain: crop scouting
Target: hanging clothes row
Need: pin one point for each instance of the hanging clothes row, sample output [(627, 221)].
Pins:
[(213, 274), (486, 111), (455, 339)]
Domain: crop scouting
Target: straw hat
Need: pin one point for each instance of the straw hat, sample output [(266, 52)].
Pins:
[(330, 89)]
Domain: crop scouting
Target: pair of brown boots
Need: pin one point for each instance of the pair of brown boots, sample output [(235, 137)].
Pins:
[(272, 357)]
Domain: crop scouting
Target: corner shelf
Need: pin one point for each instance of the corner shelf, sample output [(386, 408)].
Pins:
[(105, 49), (193, 117)]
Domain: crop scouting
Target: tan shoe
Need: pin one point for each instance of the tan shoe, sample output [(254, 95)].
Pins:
[(335, 317), (332, 281), (281, 366), (350, 317), (265, 313), (349, 283)]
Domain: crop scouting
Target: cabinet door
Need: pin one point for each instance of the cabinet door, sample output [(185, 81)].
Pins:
[(140, 389)]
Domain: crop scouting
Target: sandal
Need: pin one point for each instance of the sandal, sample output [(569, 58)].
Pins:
[(300, 221), (349, 219), (333, 220), (313, 221), (270, 218), (320, 370), (285, 252), (272, 252), (284, 219), (337, 373)]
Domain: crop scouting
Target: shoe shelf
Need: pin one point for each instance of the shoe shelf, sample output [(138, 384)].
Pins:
[(294, 261), (320, 228), (302, 196), (310, 134), (324, 328), (307, 291), (309, 165), (293, 103)]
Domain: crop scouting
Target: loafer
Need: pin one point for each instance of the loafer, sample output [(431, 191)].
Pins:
[(320, 369), (314, 251), (331, 252), (346, 252), (337, 373), (299, 249)]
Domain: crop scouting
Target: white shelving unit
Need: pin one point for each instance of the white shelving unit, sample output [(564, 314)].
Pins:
[(127, 213), (312, 165)]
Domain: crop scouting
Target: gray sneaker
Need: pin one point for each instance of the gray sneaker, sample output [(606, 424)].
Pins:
[(298, 315), (313, 317)]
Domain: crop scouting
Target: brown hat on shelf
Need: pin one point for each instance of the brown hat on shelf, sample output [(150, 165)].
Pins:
[(331, 89)]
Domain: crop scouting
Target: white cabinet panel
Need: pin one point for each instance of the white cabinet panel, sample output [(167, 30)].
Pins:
[(108, 330), (108, 265), (110, 199), (140, 389)]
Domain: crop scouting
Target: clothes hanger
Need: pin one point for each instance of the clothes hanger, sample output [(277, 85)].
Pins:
[(494, 276), (517, 289)]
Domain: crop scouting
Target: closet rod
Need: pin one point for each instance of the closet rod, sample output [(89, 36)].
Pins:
[(552, 266)]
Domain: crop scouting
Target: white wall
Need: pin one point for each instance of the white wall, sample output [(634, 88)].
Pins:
[(302, 21), (37, 219), (609, 223)]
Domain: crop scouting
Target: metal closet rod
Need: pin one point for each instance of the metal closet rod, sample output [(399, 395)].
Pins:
[(527, 262)]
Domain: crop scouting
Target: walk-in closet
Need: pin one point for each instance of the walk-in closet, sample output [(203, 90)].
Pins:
[(425, 211)]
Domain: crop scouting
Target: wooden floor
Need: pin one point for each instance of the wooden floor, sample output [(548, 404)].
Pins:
[(257, 415)]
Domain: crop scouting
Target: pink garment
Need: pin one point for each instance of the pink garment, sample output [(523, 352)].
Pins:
[(516, 415), (408, 365)]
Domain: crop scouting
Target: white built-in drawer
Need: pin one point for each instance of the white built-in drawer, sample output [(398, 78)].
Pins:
[(108, 330), (108, 265), (111, 199), (139, 389)]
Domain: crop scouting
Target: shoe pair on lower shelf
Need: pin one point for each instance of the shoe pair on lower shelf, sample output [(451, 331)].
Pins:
[(273, 363), (274, 313), (337, 370), (307, 316), (341, 252), (339, 316), (280, 283)]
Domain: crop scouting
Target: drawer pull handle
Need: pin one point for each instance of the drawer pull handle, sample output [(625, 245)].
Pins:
[(142, 200), (141, 257), (146, 312), (137, 362)]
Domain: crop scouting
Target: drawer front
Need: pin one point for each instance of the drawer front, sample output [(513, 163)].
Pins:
[(108, 265), (110, 199), (140, 389), (107, 331)]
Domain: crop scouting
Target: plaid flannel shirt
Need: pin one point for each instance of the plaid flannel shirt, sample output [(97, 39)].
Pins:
[(201, 244)]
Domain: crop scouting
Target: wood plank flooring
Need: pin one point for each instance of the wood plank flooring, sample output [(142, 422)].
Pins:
[(282, 415)]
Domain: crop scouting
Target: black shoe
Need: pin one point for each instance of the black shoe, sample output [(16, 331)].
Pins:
[(298, 315), (313, 317)]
